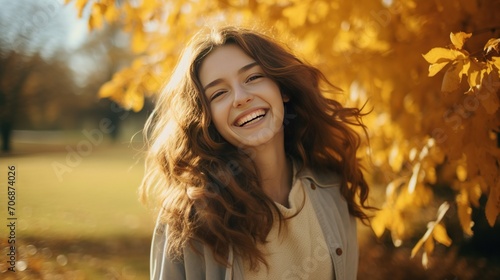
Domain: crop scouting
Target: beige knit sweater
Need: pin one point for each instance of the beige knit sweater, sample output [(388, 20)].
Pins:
[(299, 251)]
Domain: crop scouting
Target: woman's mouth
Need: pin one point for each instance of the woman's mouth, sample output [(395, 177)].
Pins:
[(250, 118)]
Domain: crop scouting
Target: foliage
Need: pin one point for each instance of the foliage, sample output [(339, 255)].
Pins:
[(425, 133), (482, 78), (30, 93)]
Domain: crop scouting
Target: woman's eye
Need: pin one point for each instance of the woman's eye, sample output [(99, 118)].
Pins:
[(254, 77), (217, 94)]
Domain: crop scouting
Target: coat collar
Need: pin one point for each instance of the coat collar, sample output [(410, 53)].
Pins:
[(319, 178)]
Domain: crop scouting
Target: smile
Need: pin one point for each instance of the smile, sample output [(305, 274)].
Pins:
[(250, 118)]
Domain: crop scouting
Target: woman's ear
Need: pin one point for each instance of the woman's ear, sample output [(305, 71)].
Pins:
[(285, 97)]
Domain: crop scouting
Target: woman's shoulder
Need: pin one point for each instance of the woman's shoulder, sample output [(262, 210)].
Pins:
[(321, 178), (196, 262)]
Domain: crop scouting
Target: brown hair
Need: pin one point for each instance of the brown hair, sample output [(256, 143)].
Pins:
[(208, 189)]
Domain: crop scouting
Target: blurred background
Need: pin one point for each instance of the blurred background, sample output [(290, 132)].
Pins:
[(78, 161), (78, 80)]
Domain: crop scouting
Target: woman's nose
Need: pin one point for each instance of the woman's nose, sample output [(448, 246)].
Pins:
[(241, 96)]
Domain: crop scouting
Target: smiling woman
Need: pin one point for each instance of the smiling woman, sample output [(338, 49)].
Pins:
[(243, 100), (252, 169)]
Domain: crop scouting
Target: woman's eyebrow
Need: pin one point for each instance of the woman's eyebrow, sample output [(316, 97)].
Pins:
[(241, 70), (247, 67)]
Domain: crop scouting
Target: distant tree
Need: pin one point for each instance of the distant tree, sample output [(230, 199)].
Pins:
[(42, 78), (10, 88), (34, 93), (28, 42)]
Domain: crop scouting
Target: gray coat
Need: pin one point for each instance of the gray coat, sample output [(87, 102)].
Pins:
[(339, 229)]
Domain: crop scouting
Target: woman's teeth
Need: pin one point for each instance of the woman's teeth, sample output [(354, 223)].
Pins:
[(254, 116)]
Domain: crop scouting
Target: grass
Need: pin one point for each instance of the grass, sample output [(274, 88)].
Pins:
[(86, 223)]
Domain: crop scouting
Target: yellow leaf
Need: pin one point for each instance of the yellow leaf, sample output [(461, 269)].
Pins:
[(396, 158), (95, 19), (452, 78), (429, 245), (458, 39), (439, 55), (422, 240), (397, 228), (496, 62), (461, 173), (111, 14), (436, 67), (107, 90), (80, 6), (138, 40), (476, 72), (378, 223), (133, 98), (465, 68), (464, 212), (492, 44), (493, 204), (475, 193), (483, 187), (434, 231), (138, 101), (440, 235), (416, 248), (414, 178), (100, 8)]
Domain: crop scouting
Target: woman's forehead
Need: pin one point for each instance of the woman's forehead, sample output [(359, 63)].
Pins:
[(222, 61)]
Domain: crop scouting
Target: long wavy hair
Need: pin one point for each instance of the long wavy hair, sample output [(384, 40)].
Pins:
[(208, 190)]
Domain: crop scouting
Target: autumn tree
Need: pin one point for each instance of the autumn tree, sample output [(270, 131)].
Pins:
[(428, 69), (32, 72), (43, 78)]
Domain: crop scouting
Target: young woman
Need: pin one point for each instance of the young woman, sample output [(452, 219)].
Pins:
[(254, 170)]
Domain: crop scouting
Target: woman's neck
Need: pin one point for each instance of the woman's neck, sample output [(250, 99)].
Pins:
[(275, 170)]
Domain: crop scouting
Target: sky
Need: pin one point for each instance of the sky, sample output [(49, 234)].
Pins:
[(44, 26), (52, 29)]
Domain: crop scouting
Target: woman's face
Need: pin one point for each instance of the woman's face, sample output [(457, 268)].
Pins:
[(246, 106)]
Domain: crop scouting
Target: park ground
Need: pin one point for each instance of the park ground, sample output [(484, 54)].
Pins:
[(78, 217)]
